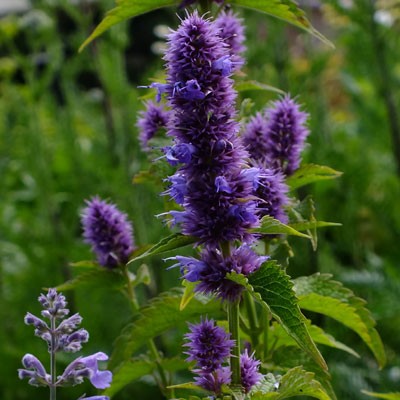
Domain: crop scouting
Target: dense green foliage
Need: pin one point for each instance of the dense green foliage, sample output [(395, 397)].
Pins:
[(67, 132)]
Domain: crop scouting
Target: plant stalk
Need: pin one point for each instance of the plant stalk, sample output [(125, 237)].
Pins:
[(233, 320), (252, 316)]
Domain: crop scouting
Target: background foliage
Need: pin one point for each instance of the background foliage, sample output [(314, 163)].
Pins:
[(67, 126)]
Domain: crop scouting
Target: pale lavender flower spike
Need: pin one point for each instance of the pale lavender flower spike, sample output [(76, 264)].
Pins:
[(62, 334)]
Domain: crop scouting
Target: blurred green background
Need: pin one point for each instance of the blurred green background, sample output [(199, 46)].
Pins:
[(67, 132)]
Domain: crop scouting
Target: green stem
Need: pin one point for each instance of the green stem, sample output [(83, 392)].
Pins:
[(233, 320), (252, 316), (266, 321), (150, 343), (53, 371)]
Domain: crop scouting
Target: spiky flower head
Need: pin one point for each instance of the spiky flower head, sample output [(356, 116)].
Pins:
[(151, 120), (249, 371), (208, 345), (213, 381), (254, 138), (286, 134), (108, 231), (211, 270)]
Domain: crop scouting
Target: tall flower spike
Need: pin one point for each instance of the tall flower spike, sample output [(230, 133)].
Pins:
[(108, 231), (203, 120), (153, 119), (286, 135)]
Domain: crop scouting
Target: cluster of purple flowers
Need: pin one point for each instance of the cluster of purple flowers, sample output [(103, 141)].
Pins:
[(108, 231), (62, 334), (209, 346)]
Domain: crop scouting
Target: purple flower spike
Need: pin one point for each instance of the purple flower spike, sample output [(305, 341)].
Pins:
[(213, 381), (150, 121), (108, 231), (249, 371), (208, 345), (232, 32), (286, 134)]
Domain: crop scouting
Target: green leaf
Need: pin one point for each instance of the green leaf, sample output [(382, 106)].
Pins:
[(273, 287), (100, 277), (318, 293), (310, 173), (136, 367), (286, 10), (271, 226), (296, 382), (172, 242), (279, 338), (125, 9), (388, 396), (161, 314), (87, 264), (242, 86), (188, 294), (306, 225)]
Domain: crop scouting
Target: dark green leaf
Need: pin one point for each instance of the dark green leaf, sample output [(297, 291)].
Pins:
[(100, 277), (296, 382), (125, 9), (160, 315), (286, 10), (271, 226), (318, 293), (172, 242), (310, 173), (273, 287)]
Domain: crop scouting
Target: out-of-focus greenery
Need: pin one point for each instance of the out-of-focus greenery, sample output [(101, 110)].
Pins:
[(67, 132)]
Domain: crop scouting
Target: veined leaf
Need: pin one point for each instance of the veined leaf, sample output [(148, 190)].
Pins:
[(99, 277), (241, 86), (387, 396), (310, 173), (124, 10), (278, 338), (318, 293), (172, 242), (273, 287), (286, 10), (162, 313), (296, 382), (271, 226), (137, 367)]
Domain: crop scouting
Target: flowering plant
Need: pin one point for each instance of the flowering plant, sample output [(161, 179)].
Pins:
[(233, 191)]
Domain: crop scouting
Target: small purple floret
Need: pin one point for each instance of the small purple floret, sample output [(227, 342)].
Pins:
[(213, 381), (108, 231)]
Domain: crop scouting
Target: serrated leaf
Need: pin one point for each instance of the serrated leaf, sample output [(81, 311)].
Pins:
[(278, 338), (100, 277), (172, 242), (318, 293), (161, 314), (127, 372), (387, 396), (286, 10), (273, 286), (296, 382), (310, 173), (136, 367), (242, 86), (271, 226), (125, 9)]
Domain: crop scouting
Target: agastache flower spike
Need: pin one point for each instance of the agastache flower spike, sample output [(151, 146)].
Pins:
[(249, 371), (62, 334), (108, 231)]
